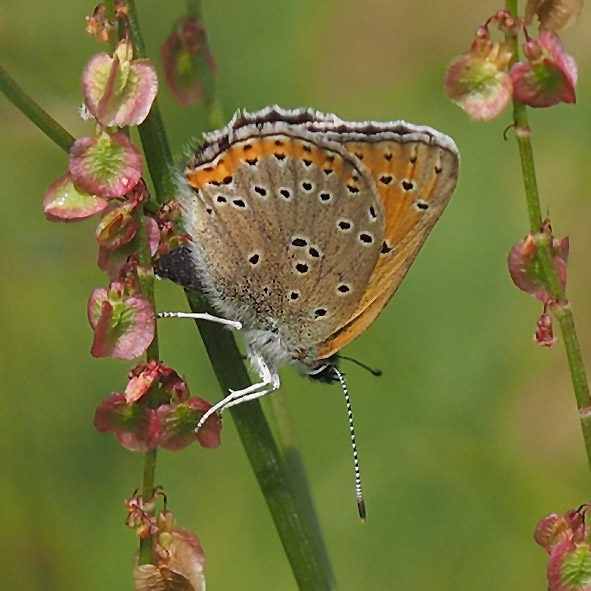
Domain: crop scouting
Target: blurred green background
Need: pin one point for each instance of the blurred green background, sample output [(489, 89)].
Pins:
[(466, 441)]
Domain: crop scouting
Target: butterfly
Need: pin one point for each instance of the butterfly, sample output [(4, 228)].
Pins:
[(302, 226)]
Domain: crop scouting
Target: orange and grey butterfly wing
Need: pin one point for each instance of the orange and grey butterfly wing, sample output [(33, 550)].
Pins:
[(415, 170), (277, 214)]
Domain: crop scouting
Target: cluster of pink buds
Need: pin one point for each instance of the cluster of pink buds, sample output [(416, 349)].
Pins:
[(526, 273), (104, 177), (484, 80), (156, 409), (567, 540), (178, 560)]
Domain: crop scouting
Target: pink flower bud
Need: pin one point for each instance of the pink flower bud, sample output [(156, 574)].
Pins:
[(64, 202), (118, 90), (123, 324), (109, 166)]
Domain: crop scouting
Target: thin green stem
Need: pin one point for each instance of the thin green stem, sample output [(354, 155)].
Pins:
[(573, 351), (202, 63), (523, 135), (146, 280), (152, 130), (282, 426), (22, 101), (160, 165), (544, 254), (113, 34), (146, 544)]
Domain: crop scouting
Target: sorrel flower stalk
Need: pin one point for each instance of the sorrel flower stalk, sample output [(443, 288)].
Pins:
[(481, 83)]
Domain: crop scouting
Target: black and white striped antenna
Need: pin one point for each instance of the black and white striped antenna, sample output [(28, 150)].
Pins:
[(358, 489)]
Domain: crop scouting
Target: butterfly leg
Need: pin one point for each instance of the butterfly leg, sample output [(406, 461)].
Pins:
[(202, 316), (269, 383), (251, 393)]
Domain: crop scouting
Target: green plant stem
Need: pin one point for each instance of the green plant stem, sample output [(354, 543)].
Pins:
[(202, 64), (282, 426), (115, 33), (152, 130), (561, 308), (145, 273), (523, 135), (22, 101), (160, 165)]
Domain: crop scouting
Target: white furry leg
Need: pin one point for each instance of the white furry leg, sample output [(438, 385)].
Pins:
[(269, 383), (203, 316)]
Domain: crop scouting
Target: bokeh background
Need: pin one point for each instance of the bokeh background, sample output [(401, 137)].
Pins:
[(466, 441)]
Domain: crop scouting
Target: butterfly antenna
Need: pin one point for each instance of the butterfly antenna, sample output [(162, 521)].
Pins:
[(358, 489), (371, 370)]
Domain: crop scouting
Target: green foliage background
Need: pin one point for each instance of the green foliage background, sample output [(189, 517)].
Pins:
[(466, 441)]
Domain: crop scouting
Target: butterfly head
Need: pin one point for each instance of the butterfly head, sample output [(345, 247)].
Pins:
[(324, 371)]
